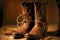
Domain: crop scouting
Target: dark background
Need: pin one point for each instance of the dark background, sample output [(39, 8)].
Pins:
[(1, 12), (58, 5)]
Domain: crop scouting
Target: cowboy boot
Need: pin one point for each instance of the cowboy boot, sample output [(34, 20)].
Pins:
[(28, 17), (40, 22)]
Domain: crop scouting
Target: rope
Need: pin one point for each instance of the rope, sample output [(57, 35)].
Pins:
[(17, 20)]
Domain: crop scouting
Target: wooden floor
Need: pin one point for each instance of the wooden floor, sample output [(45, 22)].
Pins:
[(11, 37), (4, 37)]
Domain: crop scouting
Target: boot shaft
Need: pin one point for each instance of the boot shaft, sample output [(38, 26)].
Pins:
[(40, 12), (28, 10)]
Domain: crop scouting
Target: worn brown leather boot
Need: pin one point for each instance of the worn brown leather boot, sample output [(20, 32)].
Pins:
[(40, 26), (28, 17)]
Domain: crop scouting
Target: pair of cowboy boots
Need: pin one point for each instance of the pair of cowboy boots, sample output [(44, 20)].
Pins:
[(40, 28), (34, 19)]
